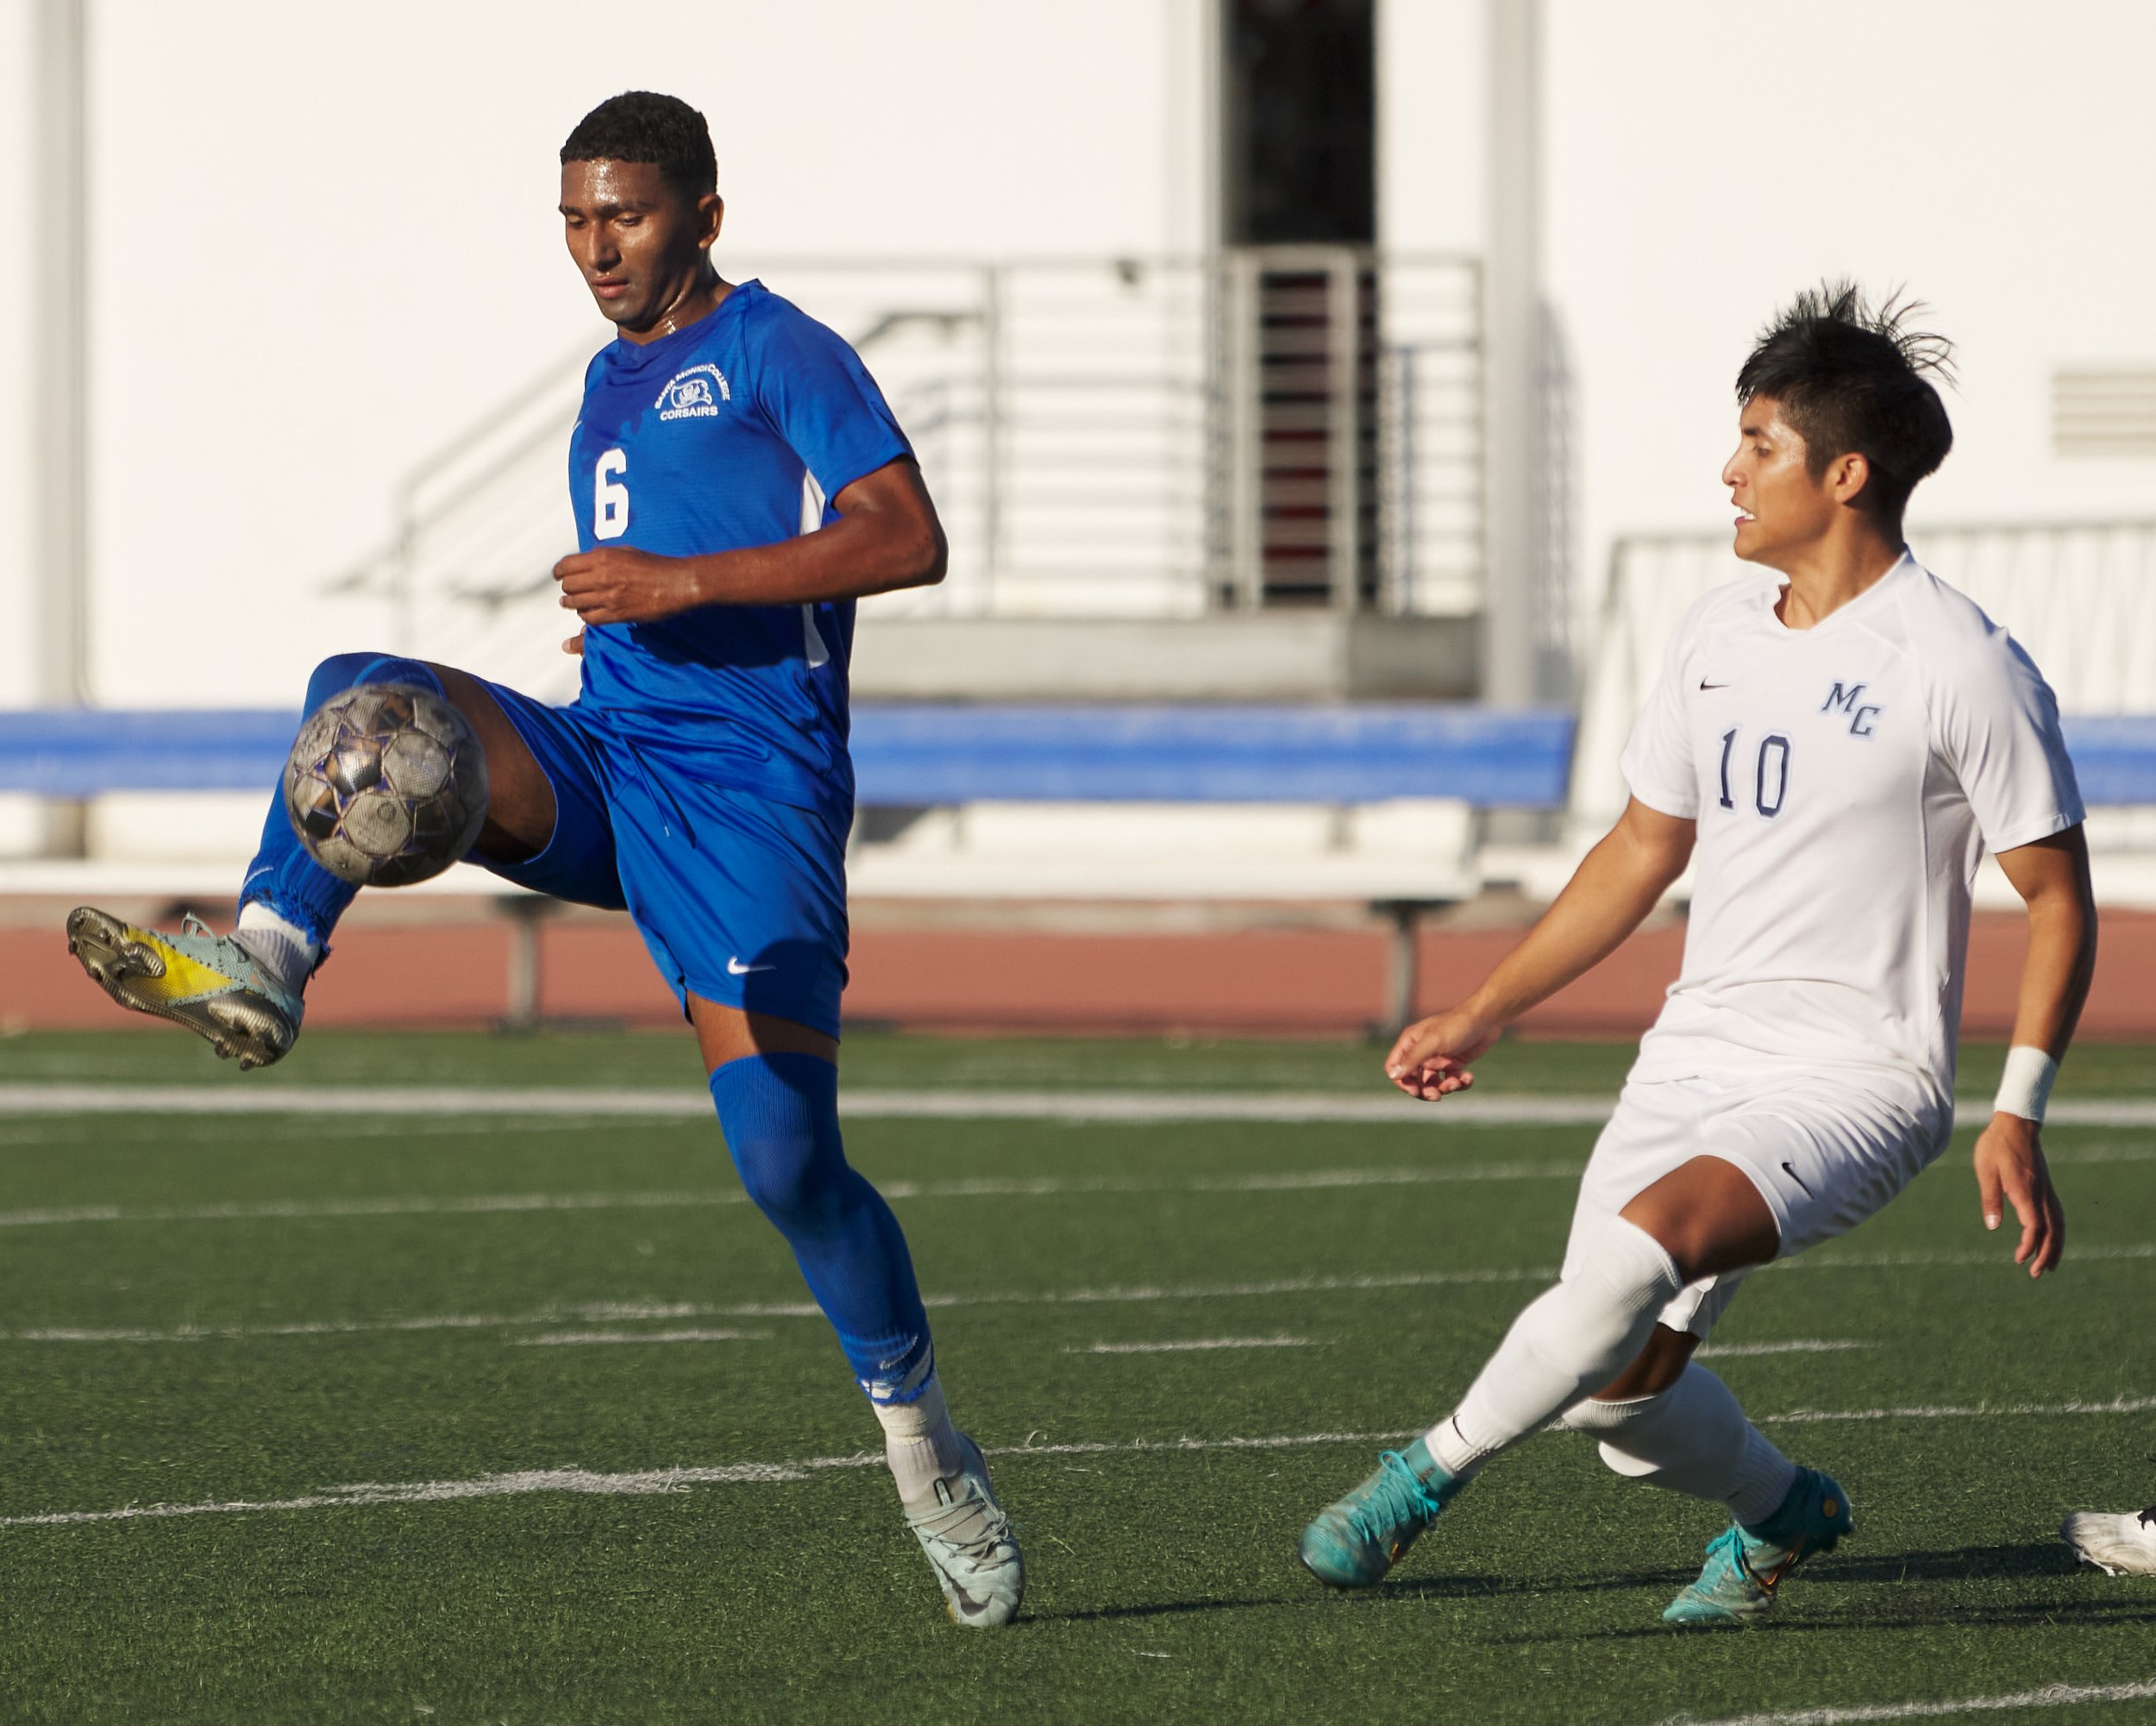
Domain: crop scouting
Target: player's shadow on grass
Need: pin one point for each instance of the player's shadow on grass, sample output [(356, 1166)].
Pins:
[(2084, 1613), (1309, 1594), (1903, 1591), (1888, 1570), (1301, 1591), (1489, 1587), (1157, 1609), (1956, 1564)]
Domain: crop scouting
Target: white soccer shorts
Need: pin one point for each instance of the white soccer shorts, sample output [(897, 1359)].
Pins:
[(1825, 1155)]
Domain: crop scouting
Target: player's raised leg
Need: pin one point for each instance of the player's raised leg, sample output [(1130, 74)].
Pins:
[(775, 1085), (245, 993)]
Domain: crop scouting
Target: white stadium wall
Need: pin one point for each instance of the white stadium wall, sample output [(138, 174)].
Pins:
[(19, 826), (325, 243), (1699, 168), (1704, 161), (322, 239), (18, 411)]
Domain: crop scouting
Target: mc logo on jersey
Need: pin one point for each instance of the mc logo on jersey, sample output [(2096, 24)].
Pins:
[(1851, 701), (693, 395)]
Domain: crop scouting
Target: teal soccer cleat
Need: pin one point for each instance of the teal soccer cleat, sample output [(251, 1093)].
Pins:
[(970, 1543), (1745, 1564), (1352, 1543)]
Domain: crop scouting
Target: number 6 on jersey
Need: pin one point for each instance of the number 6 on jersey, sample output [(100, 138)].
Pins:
[(610, 498)]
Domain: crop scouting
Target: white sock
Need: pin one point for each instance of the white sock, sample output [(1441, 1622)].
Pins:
[(920, 1442), (279, 946), (1574, 1339), (1691, 1438)]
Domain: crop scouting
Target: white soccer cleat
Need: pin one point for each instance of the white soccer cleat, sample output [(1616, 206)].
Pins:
[(2121, 1544), (968, 1541)]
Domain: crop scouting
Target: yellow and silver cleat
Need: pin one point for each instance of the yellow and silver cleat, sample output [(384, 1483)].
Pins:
[(208, 982)]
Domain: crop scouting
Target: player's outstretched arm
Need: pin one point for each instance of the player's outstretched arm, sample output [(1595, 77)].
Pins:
[(2052, 875), (1615, 886), (886, 537)]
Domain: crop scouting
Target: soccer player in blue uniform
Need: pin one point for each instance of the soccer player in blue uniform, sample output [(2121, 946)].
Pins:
[(738, 482)]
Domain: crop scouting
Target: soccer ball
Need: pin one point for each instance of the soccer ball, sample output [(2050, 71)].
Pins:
[(386, 785)]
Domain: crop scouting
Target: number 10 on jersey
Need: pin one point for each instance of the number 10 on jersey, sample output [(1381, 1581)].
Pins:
[(1771, 774)]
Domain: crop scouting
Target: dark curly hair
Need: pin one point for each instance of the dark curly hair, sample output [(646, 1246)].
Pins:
[(643, 126), (1852, 379)]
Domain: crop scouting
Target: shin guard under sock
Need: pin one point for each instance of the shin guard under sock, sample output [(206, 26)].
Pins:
[(1692, 1438), (780, 1113), (1574, 1338)]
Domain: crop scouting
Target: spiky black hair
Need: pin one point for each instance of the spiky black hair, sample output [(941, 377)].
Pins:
[(1852, 379), (643, 126)]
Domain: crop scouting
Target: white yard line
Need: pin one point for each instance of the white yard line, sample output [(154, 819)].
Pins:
[(1131, 1107), (1132, 1295), (2101, 1153), (483, 1204), (789, 1309), (2001, 1253), (643, 1482), (473, 1205), (1195, 1346), (1318, 1180), (1948, 1411), (864, 1104), (2051, 1696), (570, 1338), (593, 1312), (1736, 1351)]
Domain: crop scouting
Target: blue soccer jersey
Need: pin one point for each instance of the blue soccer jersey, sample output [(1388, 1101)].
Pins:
[(736, 431)]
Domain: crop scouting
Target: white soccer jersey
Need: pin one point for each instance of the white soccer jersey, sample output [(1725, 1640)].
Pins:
[(1843, 778)]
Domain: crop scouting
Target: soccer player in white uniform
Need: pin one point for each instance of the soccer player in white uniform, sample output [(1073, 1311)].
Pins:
[(1832, 742)]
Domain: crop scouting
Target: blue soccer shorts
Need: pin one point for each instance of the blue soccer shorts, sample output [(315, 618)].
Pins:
[(740, 899)]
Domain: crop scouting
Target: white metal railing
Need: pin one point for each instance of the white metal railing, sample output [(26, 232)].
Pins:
[(1080, 429), (2080, 596)]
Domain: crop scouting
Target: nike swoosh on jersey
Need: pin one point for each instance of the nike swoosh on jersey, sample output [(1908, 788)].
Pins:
[(736, 968), (1704, 684)]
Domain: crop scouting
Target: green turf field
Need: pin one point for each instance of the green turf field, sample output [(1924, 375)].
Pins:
[(234, 1311)]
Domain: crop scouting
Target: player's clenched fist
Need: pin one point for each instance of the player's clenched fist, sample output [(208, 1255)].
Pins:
[(618, 585), (1430, 1060)]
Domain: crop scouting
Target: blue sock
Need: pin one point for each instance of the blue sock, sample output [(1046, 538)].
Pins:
[(780, 1113), (282, 875)]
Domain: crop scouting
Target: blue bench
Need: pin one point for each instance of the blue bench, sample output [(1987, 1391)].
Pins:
[(938, 754), (934, 754), (930, 754), (2114, 757)]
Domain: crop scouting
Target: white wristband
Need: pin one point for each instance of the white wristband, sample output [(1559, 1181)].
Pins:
[(2025, 1086)]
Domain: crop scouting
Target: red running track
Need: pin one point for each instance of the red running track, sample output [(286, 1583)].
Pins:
[(1305, 982)]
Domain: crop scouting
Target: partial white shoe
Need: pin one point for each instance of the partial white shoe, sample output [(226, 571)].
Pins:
[(2118, 1544), (968, 1541)]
